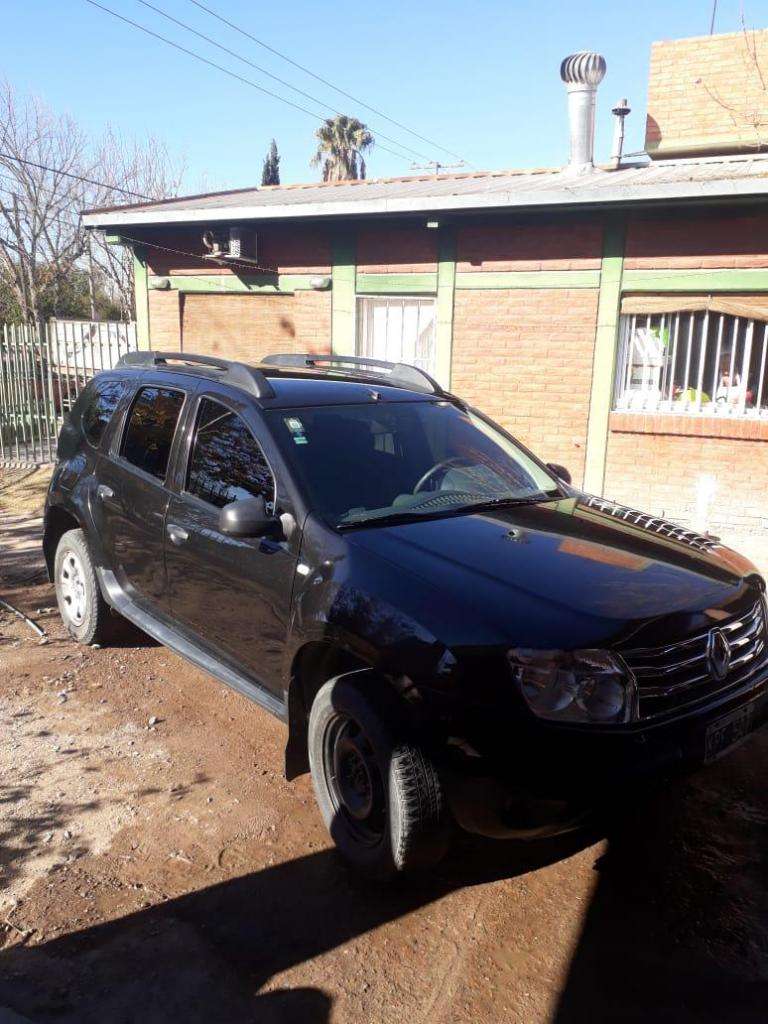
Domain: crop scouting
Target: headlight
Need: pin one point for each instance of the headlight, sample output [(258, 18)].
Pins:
[(575, 686)]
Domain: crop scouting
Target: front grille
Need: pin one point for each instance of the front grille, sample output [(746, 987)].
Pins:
[(655, 525), (678, 675)]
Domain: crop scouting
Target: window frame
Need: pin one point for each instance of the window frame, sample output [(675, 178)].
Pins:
[(402, 297), (741, 339), (121, 434), (186, 461)]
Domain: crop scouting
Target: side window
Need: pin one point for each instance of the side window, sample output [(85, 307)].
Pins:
[(226, 462), (102, 403), (151, 425)]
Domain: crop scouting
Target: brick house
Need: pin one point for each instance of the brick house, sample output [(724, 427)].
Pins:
[(615, 318)]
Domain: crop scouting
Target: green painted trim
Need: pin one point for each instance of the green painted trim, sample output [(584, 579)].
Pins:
[(283, 284), (446, 290), (604, 360), (343, 296), (695, 280), (396, 284), (528, 279), (141, 297)]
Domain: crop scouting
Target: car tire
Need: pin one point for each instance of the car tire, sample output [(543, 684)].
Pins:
[(85, 613), (379, 793)]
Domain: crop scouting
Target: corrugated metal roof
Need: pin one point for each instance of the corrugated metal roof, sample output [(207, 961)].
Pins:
[(655, 181)]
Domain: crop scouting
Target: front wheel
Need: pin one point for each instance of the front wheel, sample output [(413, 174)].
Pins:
[(379, 794)]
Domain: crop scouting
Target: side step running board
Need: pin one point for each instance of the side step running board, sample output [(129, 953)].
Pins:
[(176, 641)]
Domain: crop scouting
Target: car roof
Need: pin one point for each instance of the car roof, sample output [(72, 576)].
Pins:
[(275, 386)]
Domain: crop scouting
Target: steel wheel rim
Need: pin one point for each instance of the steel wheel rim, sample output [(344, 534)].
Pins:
[(72, 588), (353, 779)]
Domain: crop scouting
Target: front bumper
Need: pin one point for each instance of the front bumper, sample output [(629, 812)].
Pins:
[(552, 777)]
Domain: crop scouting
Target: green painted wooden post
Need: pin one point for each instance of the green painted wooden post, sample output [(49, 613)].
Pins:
[(608, 307), (446, 286), (141, 296), (343, 296)]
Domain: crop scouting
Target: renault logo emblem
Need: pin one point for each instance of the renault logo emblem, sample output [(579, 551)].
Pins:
[(718, 654)]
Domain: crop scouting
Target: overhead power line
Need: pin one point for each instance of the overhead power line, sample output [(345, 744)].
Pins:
[(71, 174), (324, 81), (264, 71), (219, 67)]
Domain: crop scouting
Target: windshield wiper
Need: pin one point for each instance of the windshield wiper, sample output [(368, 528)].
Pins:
[(408, 515), (510, 501)]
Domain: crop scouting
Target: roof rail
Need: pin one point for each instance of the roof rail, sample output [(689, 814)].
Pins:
[(238, 374), (396, 373)]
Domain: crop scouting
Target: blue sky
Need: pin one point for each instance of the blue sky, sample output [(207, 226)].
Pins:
[(479, 78)]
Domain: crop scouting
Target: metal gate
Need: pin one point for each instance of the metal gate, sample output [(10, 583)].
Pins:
[(43, 369)]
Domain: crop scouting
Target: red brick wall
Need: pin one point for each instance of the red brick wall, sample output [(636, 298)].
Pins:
[(701, 242), (525, 358), (660, 473), (397, 251), (244, 327), (707, 94), (562, 245)]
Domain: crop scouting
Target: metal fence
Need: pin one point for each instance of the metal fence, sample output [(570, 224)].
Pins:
[(43, 369)]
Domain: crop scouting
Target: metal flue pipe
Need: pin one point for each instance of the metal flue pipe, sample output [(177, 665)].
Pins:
[(582, 73)]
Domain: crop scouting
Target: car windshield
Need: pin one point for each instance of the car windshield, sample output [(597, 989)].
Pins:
[(364, 463)]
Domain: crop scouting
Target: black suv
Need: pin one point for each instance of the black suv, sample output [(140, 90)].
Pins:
[(451, 631)]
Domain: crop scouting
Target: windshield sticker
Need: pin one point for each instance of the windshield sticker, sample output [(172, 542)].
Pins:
[(296, 428)]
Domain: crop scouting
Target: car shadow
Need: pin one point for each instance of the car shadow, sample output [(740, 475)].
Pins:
[(676, 931), (204, 956), (677, 928)]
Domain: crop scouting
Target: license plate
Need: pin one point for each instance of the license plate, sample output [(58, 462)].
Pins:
[(727, 732)]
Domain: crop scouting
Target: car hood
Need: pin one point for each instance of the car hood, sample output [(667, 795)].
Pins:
[(559, 574)]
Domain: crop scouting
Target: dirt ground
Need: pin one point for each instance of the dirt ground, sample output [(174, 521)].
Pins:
[(156, 867)]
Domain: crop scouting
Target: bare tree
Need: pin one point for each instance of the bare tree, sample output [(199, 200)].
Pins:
[(50, 173), (147, 169), (746, 103), (41, 239)]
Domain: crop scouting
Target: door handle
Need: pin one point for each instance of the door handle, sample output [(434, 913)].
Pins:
[(177, 534), (104, 493)]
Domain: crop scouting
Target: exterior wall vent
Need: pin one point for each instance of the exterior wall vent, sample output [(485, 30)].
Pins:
[(582, 73)]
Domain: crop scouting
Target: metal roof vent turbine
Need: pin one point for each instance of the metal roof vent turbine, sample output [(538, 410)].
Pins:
[(582, 73)]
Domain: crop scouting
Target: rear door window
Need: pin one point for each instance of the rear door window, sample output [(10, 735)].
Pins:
[(151, 425), (101, 405), (226, 462)]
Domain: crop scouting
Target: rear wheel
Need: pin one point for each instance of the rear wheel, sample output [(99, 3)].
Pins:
[(379, 794), (83, 610)]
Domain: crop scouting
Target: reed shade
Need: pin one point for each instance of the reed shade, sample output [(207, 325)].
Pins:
[(750, 307)]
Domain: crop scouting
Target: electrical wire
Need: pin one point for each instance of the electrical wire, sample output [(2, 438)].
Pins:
[(324, 81), (198, 256), (70, 174), (263, 71), (219, 67)]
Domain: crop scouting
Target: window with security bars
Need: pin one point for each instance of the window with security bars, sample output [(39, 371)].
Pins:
[(698, 362), (397, 330)]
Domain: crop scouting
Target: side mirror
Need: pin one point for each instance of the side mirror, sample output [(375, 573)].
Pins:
[(248, 517), (560, 472)]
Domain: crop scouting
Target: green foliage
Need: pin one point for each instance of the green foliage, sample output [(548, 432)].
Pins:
[(342, 141), (270, 174), (64, 296)]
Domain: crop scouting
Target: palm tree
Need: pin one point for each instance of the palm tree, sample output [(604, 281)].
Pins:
[(341, 143)]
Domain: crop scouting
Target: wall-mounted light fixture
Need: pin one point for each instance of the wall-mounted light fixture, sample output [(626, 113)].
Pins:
[(319, 284), (161, 284), (433, 224)]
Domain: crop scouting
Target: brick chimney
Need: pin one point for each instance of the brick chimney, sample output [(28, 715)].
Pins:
[(708, 95)]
